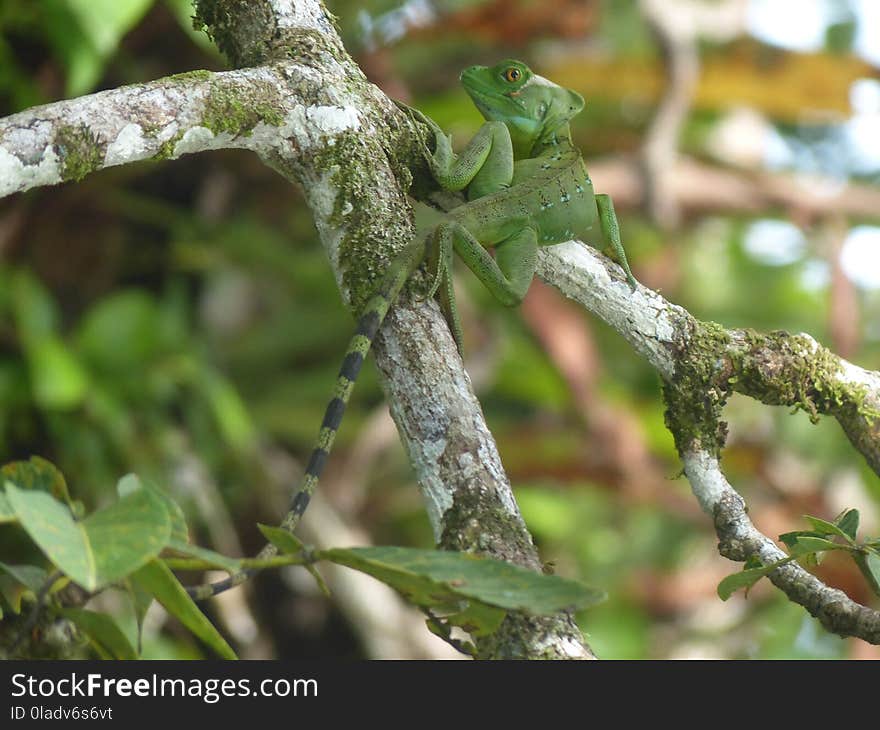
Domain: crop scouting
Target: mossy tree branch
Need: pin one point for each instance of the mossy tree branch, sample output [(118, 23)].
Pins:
[(308, 111), (701, 364)]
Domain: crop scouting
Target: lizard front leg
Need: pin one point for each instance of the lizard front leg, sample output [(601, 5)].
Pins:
[(485, 166)]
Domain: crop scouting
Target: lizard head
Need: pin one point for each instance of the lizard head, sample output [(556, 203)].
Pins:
[(532, 107)]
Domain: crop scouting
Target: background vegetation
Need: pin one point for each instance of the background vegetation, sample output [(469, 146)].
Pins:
[(179, 320)]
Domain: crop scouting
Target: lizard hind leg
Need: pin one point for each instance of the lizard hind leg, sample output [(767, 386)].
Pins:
[(507, 276)]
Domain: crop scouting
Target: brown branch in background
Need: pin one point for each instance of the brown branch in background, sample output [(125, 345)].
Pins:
[(701, 188), (660, 146), (844, 316)]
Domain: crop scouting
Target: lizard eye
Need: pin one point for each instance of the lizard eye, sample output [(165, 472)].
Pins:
[(512, 74)]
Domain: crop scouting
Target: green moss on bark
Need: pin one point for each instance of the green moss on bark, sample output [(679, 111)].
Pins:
[(366, 208), (81, 152), (697, 394), (237, 111), (776, 368), (189, 76)]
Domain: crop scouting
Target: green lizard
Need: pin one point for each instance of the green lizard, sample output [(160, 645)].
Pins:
[(526, 186)]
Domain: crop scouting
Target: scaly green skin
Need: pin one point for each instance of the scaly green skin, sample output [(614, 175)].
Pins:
[(526, 186), (525, 181)]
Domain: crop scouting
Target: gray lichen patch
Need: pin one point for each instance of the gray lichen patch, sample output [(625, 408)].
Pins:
[(497, 532)]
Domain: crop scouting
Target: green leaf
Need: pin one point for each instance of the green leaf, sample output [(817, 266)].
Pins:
[(744, 579), (230, 411), (127, 534), (141, 600), (440, 578), (828, 528), (808, 544), (121, 332), (103, 548), (159, 581), (130, 483), (90, 35), (37, 473), (35, 312), (869, 565), (31, 576), (7, 514), (19, 580), (790, 538), (102, 632), (848, 522), (286, 542), (57, 378)]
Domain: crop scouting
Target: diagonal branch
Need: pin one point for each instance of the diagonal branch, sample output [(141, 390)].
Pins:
[(270, 110), (310, 113), (701, 363)]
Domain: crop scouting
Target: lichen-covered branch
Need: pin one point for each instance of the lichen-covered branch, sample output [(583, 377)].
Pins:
[(306, 108), (701, 363), (269, 110), (739, 539)]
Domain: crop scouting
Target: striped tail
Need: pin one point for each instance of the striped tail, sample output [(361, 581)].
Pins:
[(371, 318)]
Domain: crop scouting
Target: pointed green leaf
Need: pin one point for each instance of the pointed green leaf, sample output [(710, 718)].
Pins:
[(869, 565), (11, 593), (827, 528), (90, 35), (286, 542), (230, 411), (849, 522), (36, 313), (790, 538), (158, 580), (432, 578), (102, 632), (103, 548), (807, 544), (744, 579)]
